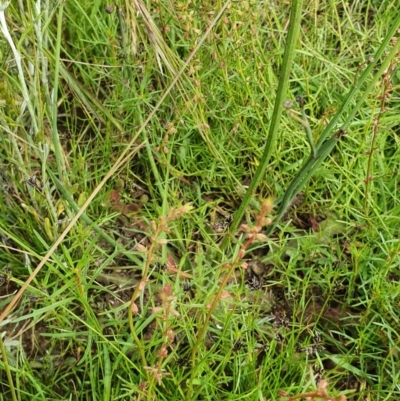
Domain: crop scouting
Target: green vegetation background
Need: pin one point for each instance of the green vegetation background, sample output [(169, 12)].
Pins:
[(318, 298)]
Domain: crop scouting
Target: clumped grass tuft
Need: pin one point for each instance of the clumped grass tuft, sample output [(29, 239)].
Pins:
[(199, 200)]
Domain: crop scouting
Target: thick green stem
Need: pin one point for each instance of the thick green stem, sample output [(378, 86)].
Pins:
[(290, 48)]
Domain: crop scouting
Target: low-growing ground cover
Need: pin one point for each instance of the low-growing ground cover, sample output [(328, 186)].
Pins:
[(154, 292)]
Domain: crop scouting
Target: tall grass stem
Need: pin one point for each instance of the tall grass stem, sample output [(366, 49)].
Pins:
[(290, 48)]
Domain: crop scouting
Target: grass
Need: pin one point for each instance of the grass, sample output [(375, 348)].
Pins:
[(140, 256)]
